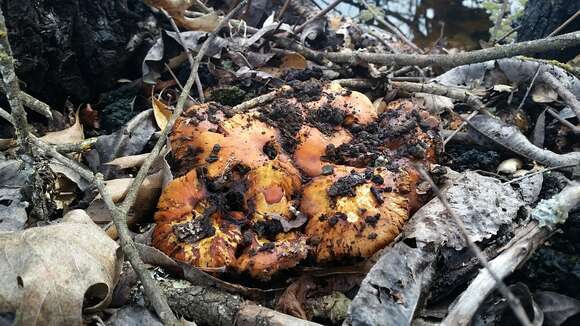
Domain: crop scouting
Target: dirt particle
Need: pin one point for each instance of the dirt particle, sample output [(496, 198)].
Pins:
[(345, 186)]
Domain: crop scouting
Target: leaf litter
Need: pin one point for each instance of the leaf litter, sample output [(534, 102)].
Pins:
[(423, 265)]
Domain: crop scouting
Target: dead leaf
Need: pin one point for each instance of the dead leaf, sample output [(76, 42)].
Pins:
[(129, 140), (161, 112), (483, 203), (293, 61), (205, 23), (542, 93), (51, 274), (13, 177), (558, 309), (73, 134), (434, 103), (539, 134), (146, 201)]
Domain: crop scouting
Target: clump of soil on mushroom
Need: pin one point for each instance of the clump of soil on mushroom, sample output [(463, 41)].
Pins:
[(284, 116)]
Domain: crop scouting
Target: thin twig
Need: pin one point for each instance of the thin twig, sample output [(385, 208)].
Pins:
[(317, 16), (563, 121), (499, 19), (531, 174), (506, 35), (463, 124), (562, 91), (392, 28), (10, 82), (283, 9), (446, 60), (442, 90), (262, 99), (82, 146), (564, 24), (530, 87), (512, 300)]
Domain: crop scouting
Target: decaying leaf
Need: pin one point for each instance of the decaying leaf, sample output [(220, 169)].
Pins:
[(434, 103), (542, 93), (51, 274), (146, 197), (483, 203), (161, 112), (558, 309), (129, 140), (168, 46), (13, 176), (73, 134), (293, 61), (517, 71)]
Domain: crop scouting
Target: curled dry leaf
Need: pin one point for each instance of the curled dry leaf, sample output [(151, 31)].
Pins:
[(543, 93), (51, 273), (73, 134), (161, 112)]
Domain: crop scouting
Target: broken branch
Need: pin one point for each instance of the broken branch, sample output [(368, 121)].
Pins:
[(10, 82), (446, 60)]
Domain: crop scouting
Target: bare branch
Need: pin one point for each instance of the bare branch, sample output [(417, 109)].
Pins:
[(10, 82), (446, 60)]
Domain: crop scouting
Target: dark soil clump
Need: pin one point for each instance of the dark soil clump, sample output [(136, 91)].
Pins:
[(346, 186), (461, 158), (307, 91), (284, 116), (326, 119)]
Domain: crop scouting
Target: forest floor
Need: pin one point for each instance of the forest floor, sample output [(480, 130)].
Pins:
[(279, 163)]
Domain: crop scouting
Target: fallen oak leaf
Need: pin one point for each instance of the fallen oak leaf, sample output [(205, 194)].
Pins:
[(161, 112), (52, 273)]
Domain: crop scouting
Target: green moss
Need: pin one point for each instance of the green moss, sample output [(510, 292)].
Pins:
[(229, 95)]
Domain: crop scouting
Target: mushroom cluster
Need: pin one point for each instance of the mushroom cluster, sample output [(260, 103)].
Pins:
[(315, 174)]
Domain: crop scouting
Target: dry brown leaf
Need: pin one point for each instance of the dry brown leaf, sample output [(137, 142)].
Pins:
[(146, 197), (543, 93), (293, 61), (47, 272), (73, 134), (205, 23), (130, 161), (161, 113)]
